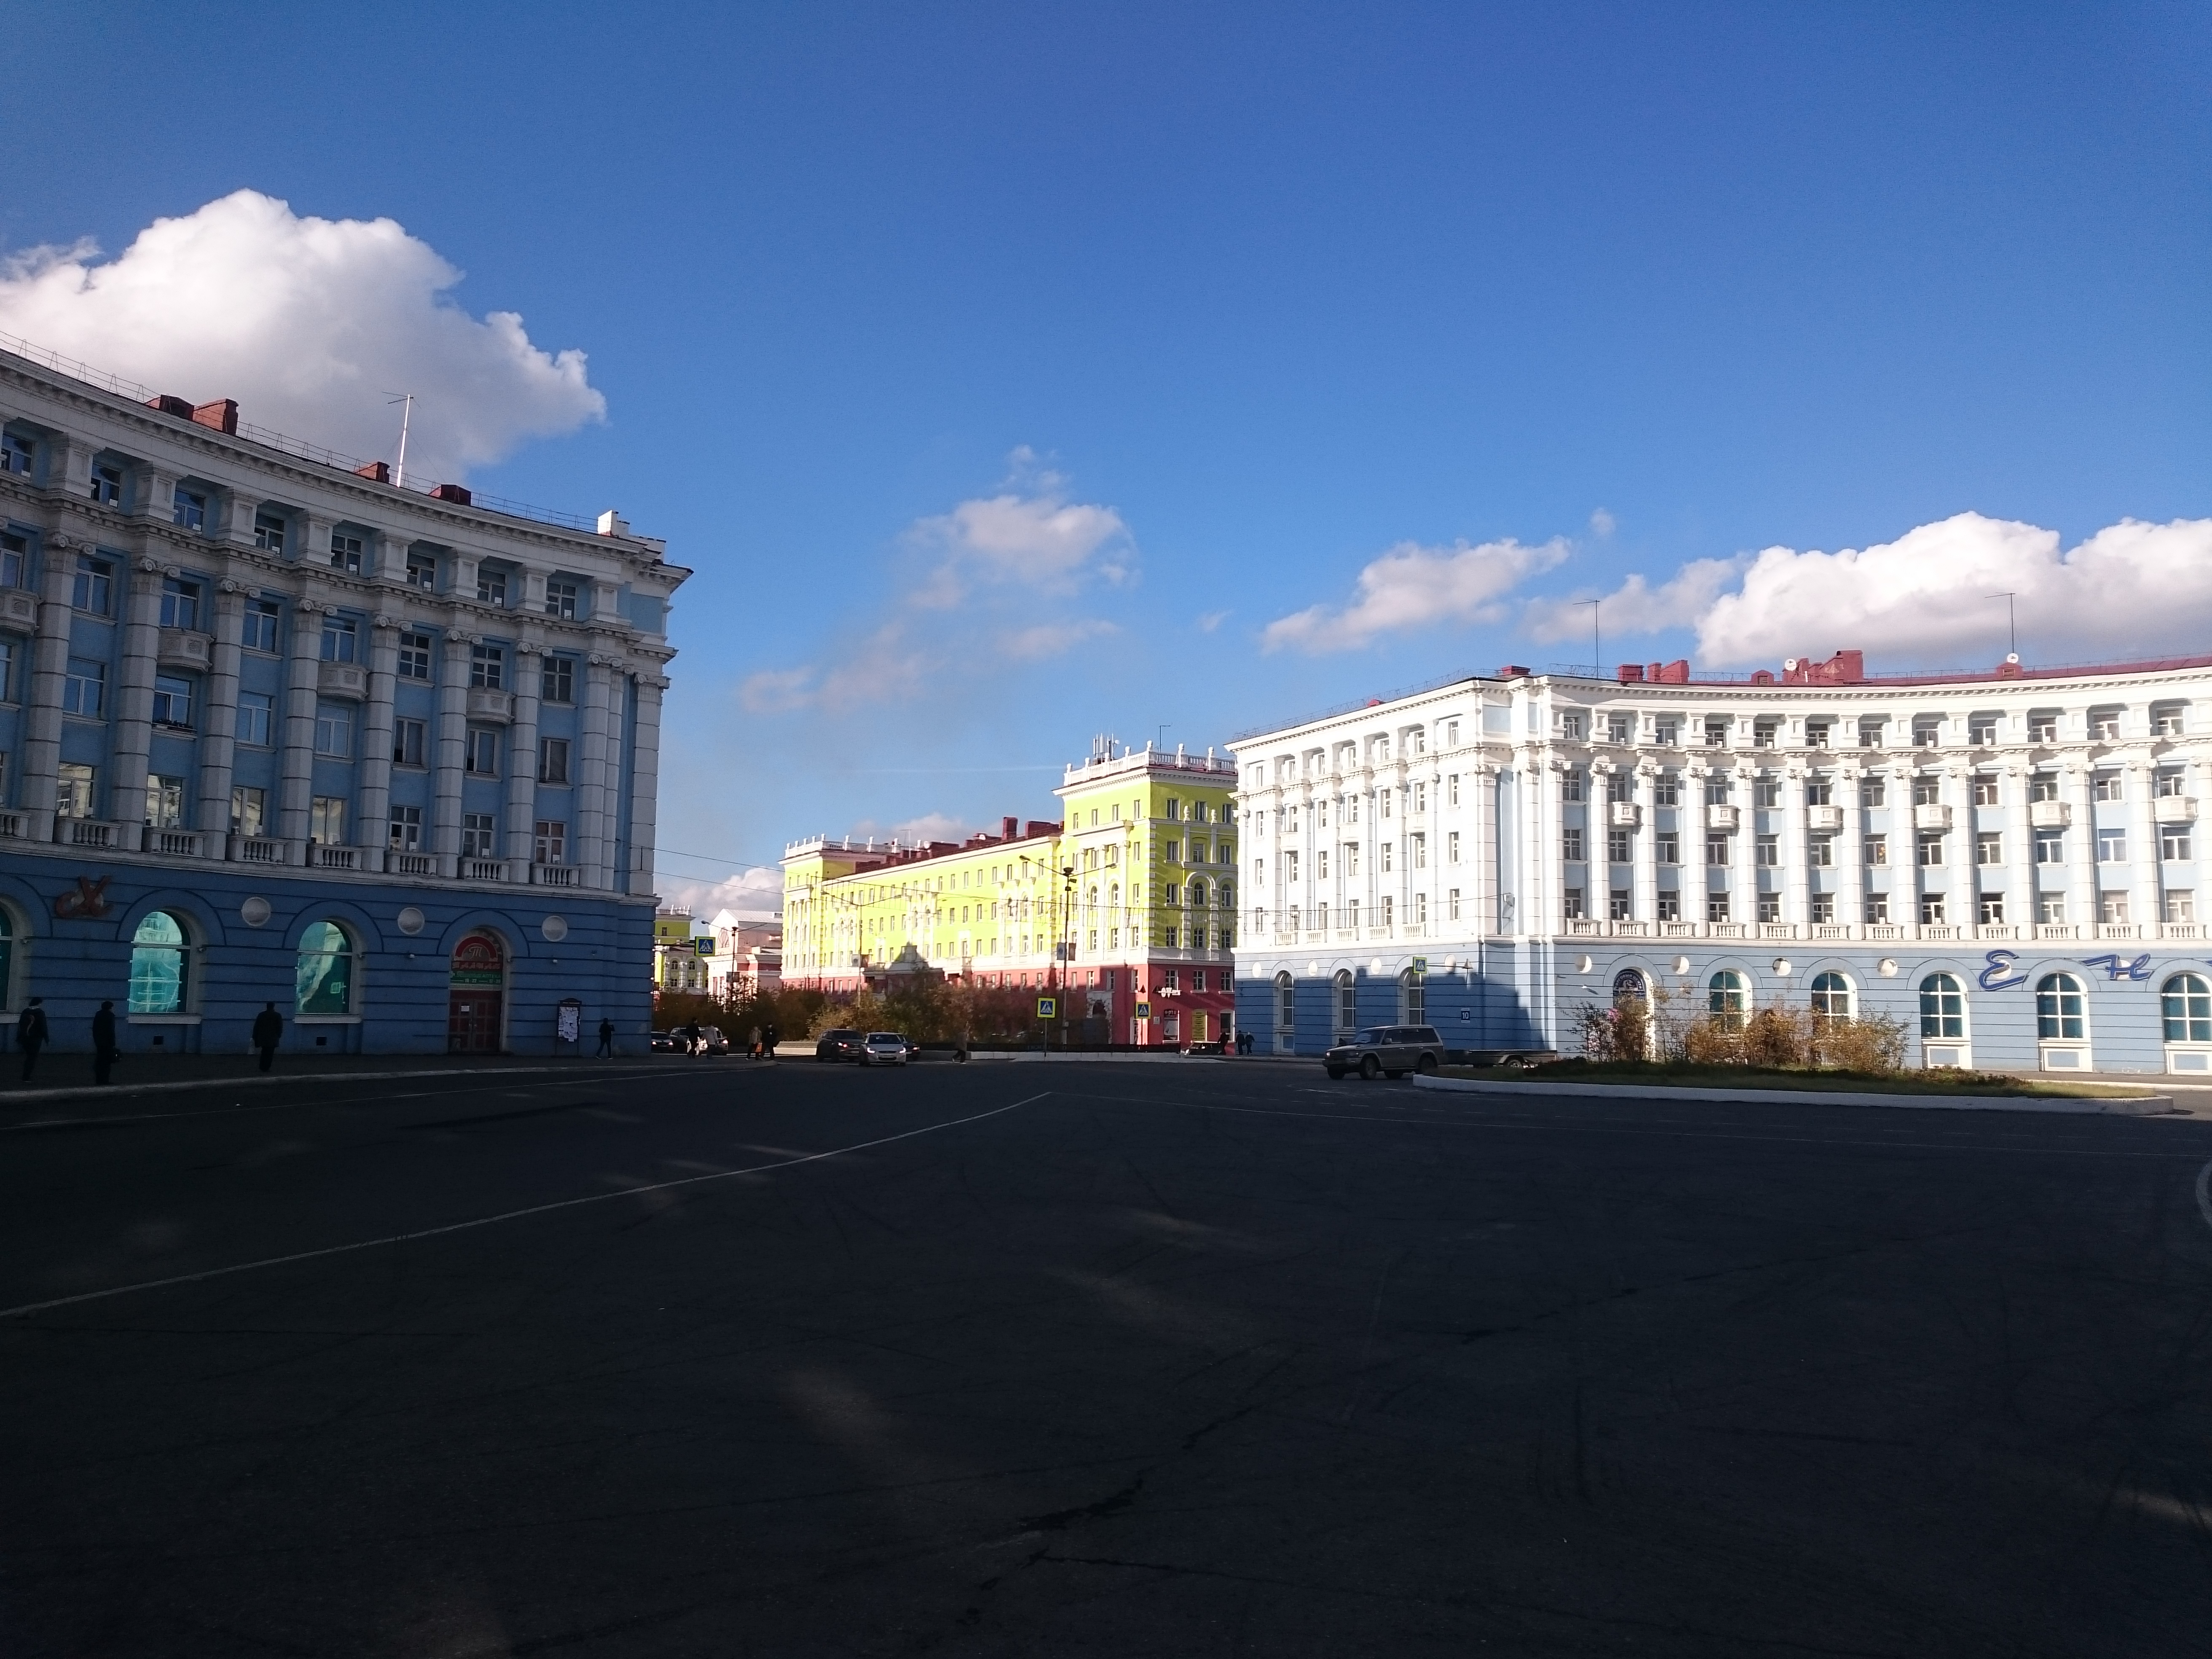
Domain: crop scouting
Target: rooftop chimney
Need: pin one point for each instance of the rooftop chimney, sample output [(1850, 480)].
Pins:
[(1009, 829), (179, 407), (375, 471), (612, 523), (221, 414), (457, 494)]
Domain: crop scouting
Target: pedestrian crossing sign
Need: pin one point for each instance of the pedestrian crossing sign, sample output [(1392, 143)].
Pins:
[(1047, 1007), (1144, 1011)]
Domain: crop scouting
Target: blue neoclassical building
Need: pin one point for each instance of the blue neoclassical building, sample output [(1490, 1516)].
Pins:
[(275, 730)]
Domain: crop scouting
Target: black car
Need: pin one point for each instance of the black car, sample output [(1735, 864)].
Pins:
[(1388, 1051), (841, 1044)]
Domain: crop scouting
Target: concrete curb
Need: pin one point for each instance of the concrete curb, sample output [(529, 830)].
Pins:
[(112, 1090), (2122, 1106)]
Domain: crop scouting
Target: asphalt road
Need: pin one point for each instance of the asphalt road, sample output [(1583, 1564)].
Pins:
[(1071, 1360)]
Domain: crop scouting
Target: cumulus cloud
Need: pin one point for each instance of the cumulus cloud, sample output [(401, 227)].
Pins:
[(310, 325), (1029, 534), (2132, 588), (884, 667), (1048, 639), (909, 832), (753, 893), (1413, 586), (1636, 606), (1601, 523)]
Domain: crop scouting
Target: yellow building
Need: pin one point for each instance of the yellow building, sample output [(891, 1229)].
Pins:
[(1127, 905)]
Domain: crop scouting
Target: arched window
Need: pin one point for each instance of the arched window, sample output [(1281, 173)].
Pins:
[(2186, 1000), (1197, 892), (1413, 998), (7, 956), (157, 966), (1628, 982), (1942, 1006), (1832, 996), (1347, 1002), (2061, 1010), (1286, 1004), (323, 978), (1727, 999)]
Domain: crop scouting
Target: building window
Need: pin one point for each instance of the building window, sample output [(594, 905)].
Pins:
[(414, 656), (1716, 907), (248, 809), (1821, 851), (323, 979), (180, 603), (341, 639), (2051, 907), (491, 587), (1570, 786), (74, 790), (1668, 846), (1619, 907), (487, 667), (172, 702), (1716, 849), (2174, 845), (1926, 790), (84, 688), (2185, 1001), (1816, 734), (326, 821), (423, 570), (2169, 782), (1770, 906), (2043, 726), (2166, 720), (334, 730), (93, 587), (1992, 908), (256, 713), (15, 550), (345, 553), (157, 966), (1620, 728), (1766, 852), (1670, 906), (550, 843), (1420, 851), (1763, 732), (1413, 998), (268, 530), (2103, 725), (406, 829), (1766, 793), (2112, 907), (408, 738), (108, 485), (16, 454), (1985, 789), (260, 631), (1452, 905), (2051, 847), (1928, 848), (189, 511), (1877, 908), (478, 832), (1832, 996), (1931, 909), (1451, 848), (2105, 786), (1982, 730), (557, 681), (1716, 731), (1666, 734), (2180, 904), (1927, 730), (1571, 903), (2111, 845), (1727, 999), (1989, 847), (165, 802), (2061, 1009), (481, 754), (1819, 790), (1873, 792), (1942, 1006), (560, 599)]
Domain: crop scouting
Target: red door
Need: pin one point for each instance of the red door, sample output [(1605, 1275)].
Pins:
[(477, 990)]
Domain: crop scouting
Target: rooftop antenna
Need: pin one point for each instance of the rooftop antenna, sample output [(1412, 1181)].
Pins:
[(1597, 655), (406, 399), (2012, 626)]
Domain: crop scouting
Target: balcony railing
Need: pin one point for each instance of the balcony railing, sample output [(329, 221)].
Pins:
[(1889, 932)]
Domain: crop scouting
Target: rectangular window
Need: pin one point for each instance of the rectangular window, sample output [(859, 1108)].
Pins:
[(260, 633), (248, 809), (1666, 734), (2051, 847), (1670, 906), (1931, 908), (1716, 731), (1926, 790), (1823, 906), (1929, 848), (478, 831), (2043, 786), (1620, 728), (2165, 721), (1667, 789), (1351, 857), (1619, 907), (1992, 908), (1763, 732), (74, 792), (2105, 786), (15, 551), (423, 570), (410, 739), (414, 656), (2170, 782), (561, 601), (488, 667), (11, 690), (2111, 845), (483, 752), (190, 509), (1451, 846), (1766, 793), (1451, 790), (1668, 847), (1816, 734), (2173, 845), (1927, 730), (1767, 852), (268, 530), (406, 829), (1716, 849), (180, 603), (549, 845), (345, 553), (1420, 851), (165, 802), (1770, 906), (1988, 847), (2051, 907), (2111, 906), (552, 760), (2103, 725), (491, 587), (1618, 848), (1985, 789), (334, 730), (1877, 908), (341, 639), (1570, 786), (1716, 907), (326, 817), (2043, 728), (1821, 851), (2180, 905), (1452, 904), (84, 690), (16, 453), (256, 715), (1570, 728), (1982, 730), (108, 485), (1385, 849), (1820, 791), (1420, 798), (93, 588), (1571, 903), (172, 702), (1873, 791)]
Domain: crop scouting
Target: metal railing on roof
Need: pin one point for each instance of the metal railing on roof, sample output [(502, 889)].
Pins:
[(298, 448), (1352, 708)]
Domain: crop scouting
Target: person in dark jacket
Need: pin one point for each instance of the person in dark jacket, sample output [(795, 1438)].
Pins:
[(103, 1041), (268, 1032), (606, 1039), (31, 1034), (769, 1037)]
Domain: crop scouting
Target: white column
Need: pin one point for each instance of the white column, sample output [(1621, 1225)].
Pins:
[(219, 716), (1850, 853), (452, 740), (2020, 849), (1644, 880), (1743, 903), (42, 718), (2081, 849), (296, 773), (2146, 903), (373, 831), (644, 769), (592, 804), (1963, 904), (1905, 852), (133, 711), (1795, 873), (522, 755)]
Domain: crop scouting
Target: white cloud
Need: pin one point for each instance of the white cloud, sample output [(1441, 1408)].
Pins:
[(1414, 587), (882, 669), (1212, 620), (1047, 639), (1636, 606), (910, 832), (2132, 588), (1029, 534), (310, 325), (753, 893), (1601, 523)]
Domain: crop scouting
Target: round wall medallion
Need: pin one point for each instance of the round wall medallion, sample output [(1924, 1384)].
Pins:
[(1782, 966), (254, 911), (410, 920), (555, 928), (1888, 968)]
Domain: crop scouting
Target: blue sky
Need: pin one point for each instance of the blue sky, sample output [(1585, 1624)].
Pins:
[(1006, 372)]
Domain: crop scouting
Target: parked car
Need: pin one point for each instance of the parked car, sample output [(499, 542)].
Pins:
[(840, 1044), (1388, 1051), (885, 1048), (712, 1042), (667, 1043)]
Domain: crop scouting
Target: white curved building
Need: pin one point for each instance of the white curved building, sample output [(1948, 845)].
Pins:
[(2006, 861)]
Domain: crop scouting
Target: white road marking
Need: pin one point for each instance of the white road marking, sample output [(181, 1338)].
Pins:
[(505, 1215)]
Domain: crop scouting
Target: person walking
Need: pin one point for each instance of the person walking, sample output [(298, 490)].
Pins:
[(103, 1041), (692, 1037), (753, 1043), (31, 1034), (606, 1039), (268, 1032), (769, 1037)]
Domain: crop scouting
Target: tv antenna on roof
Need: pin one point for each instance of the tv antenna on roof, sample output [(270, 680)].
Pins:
[(1597, 655), (406, 414), (2012, 624)]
